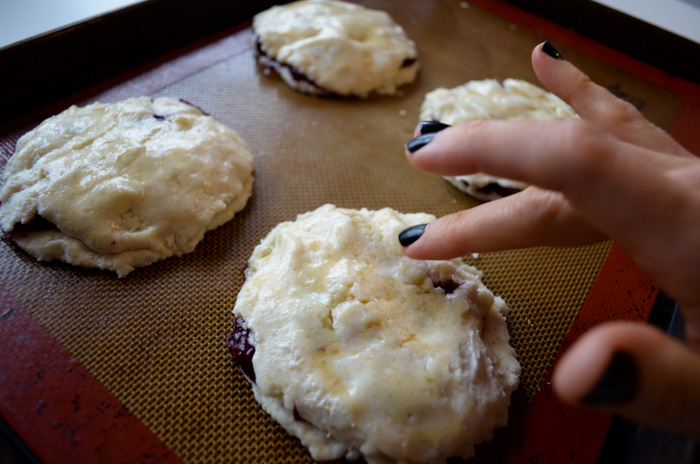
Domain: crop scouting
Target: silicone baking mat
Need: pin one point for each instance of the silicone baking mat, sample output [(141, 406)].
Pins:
[(135, 369)]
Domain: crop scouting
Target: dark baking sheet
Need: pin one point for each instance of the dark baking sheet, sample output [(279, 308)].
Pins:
[(67, 60), (63, 61), (631, 36)]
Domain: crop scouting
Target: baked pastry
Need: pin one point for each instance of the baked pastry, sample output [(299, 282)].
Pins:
[(489, 99), (330, 47), (122, 185), (360, 351)]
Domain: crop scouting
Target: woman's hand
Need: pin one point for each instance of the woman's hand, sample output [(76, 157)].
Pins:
[(609, 174)]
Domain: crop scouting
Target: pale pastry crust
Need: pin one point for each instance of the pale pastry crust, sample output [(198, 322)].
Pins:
[(122, 185), (489, 99), (363, 352), (325, 47)]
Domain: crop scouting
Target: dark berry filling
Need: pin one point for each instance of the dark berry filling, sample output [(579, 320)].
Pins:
[(449, 286), (299, 76), (408, 62), (296, 74), (258, 47), (194, 106), (35, 224), (297, 416), (493, 187), (160, 117), (242, 351), (498, 189)]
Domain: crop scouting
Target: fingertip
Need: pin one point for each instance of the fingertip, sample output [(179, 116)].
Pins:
[(618, 384), (545, 53), (550, 50), (431, 126), (578, 369), (409, 235), (603, 368), (419, 142), (429, 241), (547, 62)]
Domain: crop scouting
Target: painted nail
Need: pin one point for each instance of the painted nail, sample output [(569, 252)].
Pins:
[(552, 51), (619, 383), (420, 142), (429, 127), (410, 235)]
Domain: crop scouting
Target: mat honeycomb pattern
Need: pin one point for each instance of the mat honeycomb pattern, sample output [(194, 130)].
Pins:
[(156, 338)]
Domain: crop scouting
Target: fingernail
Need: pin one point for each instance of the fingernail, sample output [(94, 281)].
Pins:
[(552, 51), (619, 382), (410, 235), (429, 127), (420, 141)]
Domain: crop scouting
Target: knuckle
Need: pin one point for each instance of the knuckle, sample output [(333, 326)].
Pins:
[(540, 212), (611, 110), (621, 112), (542, 206), (578, 90), (588, 150)]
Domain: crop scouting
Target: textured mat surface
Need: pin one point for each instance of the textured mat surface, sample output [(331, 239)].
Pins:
[(156, 338)]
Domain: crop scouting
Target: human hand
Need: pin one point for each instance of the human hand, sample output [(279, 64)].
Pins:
[(609, 174)]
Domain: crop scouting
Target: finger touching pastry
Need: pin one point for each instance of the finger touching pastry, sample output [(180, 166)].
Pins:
[(361, 352), (489, 99)]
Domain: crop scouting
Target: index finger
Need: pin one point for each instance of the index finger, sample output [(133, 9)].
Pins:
[(605, 180)]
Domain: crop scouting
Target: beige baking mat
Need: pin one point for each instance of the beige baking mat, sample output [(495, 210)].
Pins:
[(156, 338)]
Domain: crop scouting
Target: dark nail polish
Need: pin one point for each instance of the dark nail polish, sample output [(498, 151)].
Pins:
[(429, 127), (618, 384), (420, 142), (410, 235), (552, 51)]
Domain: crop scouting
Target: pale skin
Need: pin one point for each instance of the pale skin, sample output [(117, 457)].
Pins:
[(609, 174)]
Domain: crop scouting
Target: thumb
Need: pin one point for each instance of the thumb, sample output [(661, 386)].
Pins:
[(635, 371)]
